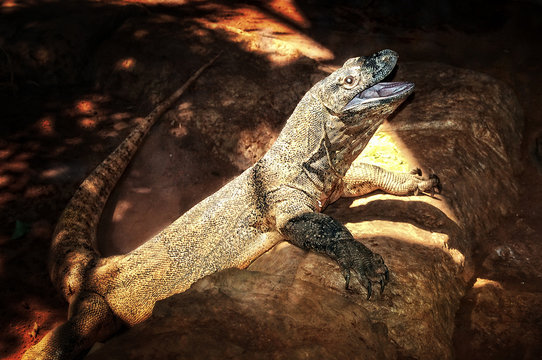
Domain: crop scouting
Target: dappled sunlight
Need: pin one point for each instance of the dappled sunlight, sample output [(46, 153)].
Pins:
[(273, 29), (407, 233), (121, 208), (5, 180), (55, 172), (37, 191), (87, 123), (121, 116), (400, 230), (387, 150), (8, 5), (85, 106), (383, 150), (289, 10), (5, 153), (15, 166), (91, 110), (126, 64), (261, 33), (485, 282), (153, 2), (46, 125)]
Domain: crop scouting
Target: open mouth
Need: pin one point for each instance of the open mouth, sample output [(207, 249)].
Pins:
[(380, 91)]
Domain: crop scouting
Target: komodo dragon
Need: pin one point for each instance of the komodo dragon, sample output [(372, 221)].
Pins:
[(279, 197)]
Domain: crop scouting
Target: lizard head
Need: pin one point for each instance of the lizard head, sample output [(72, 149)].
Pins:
[(357, 102), (356, 88), (335, 120)]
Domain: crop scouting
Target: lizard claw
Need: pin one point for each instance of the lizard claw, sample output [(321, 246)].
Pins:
[(432, 184), (368, 266), (416, 171), (436, 186), (369, 290)]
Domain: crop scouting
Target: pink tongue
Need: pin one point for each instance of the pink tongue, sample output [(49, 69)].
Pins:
[(379, 91), (383, 89)]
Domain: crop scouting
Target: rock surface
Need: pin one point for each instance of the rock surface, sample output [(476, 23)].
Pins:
[(462, 125)]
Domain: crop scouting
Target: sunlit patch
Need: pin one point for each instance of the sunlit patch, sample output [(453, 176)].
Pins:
[(387, 150), (104, 134), (6, 197), (164, 2), (37, 191), (90, 187), (15, 166), (85, 107), (23, 156), (120, 210), (261, 29), (42, 55), (120, 116), (458, 256), (382, 150), (257, 31), (46, 125), (139, 34), (142, 190), (184, 113), (127, 64), (87, 123), (485, 282), (288, 9), (73, 141), (399, 230), (121, 125), (5, 153), (407, 233), (9, 4), (5, 180), (54, 172)]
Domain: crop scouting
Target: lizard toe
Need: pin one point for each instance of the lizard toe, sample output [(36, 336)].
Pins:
[(431, 184)]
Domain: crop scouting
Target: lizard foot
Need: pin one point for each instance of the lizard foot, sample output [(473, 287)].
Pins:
[(430, 184), (367, 265), (323, 234)]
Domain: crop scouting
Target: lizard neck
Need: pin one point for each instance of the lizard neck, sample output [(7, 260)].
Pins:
[(315, 149)]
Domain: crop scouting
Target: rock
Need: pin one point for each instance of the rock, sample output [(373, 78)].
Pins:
[(291, 304), (501, 319), (500, 315), (269, 316)]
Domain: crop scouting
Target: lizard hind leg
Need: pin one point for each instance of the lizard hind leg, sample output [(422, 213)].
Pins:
[(90, 320), (364, 178)]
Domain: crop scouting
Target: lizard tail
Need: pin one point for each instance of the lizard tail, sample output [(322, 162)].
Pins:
[(72, 251)]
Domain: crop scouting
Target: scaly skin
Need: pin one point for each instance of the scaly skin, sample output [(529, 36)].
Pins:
[(279, 197)]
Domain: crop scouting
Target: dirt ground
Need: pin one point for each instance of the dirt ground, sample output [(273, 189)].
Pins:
[(60, 115)]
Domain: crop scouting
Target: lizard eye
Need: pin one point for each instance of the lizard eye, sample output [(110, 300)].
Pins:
[(349, 81)]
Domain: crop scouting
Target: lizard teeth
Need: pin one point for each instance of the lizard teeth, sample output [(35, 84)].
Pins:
[(379, 91)]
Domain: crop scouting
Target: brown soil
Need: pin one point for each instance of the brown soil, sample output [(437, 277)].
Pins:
[(59, 118)]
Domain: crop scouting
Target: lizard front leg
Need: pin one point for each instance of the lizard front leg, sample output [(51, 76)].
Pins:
[(321, 233), (363, 178)]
